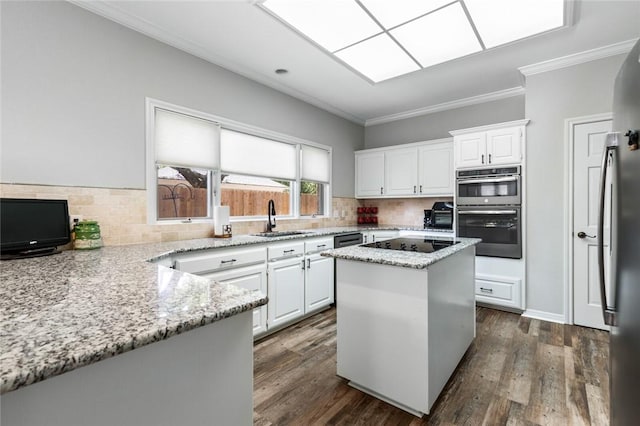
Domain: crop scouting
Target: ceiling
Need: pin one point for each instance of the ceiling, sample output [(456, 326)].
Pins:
[(244, 38)]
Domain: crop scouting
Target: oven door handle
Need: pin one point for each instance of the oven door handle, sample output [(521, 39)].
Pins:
[(487, 212), (488, 180)]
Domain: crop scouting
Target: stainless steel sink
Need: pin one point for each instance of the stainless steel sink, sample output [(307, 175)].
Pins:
[(279, 233)]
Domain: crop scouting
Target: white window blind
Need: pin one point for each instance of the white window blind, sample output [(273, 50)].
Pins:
[(183, 140), (315, 164), (252, 155)]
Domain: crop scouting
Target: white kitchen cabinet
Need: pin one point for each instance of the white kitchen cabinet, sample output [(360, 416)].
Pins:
[(470, 150), (401, 172), (370, 174), (243, 267), (252, 278), (492, 145), (504, 145), (421, 169), (286, 282), (286, 291), (319, 275), (435, 169)]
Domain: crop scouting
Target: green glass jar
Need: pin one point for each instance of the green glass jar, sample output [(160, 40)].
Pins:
[(87, 234)]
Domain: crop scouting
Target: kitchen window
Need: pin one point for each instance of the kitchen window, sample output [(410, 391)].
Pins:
[(197, 160), (185, 158)]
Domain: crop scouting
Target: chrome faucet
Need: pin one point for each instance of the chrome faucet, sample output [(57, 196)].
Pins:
[(271, 211)]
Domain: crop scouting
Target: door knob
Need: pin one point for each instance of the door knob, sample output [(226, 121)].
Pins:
[(585, 235)]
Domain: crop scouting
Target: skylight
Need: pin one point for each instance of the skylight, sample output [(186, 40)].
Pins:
[(382, 39)]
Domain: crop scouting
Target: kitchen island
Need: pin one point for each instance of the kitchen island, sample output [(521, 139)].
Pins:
[(404, 318)]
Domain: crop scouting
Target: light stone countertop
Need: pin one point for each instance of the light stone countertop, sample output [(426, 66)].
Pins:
[(68, 310), (406, 259)]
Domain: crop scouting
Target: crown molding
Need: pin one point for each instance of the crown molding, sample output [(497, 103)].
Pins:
[(459, 103), (488, 127), (142, 26), (578, 58)]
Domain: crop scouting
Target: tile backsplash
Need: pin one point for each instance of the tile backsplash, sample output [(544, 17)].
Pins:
[(122, 214), (402, 211)]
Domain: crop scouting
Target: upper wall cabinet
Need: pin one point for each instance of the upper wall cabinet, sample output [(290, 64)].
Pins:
[(369, 174), (489, 145), (423, 169)]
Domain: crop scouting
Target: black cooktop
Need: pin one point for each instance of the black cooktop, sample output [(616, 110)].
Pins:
[(420, 245)]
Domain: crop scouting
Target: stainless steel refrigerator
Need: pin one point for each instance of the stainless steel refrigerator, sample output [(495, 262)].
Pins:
[(621, 309)]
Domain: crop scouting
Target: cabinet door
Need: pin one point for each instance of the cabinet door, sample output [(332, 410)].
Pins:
[(252, 278), (503, 146), (370, 174), (470, 150), (318, 282), (435, 168), (401, 172), (286, 291)]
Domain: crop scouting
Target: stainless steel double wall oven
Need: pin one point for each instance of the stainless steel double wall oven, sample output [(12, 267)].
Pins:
[(488, 206)]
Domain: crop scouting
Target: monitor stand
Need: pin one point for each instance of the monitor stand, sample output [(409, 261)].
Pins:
[(30, 253)]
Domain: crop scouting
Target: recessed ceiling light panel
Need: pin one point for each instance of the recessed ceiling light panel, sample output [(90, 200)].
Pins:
[(379, 58), (333, 24), (504, 21), (395, 12), (439, 37)]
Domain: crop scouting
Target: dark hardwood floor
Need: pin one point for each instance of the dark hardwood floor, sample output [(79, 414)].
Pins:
[(518, 371)]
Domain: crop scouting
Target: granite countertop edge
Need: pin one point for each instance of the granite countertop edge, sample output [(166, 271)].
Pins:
[(400, 258)]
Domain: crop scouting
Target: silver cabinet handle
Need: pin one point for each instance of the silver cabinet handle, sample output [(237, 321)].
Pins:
[(486, 290), (308, 263), (421, 189), (303, 264), (584, 235), (380, 190), (414, 189), (319, 246), (289, 251), (228, 261), (489, 158), (482, 158), (609, 314)]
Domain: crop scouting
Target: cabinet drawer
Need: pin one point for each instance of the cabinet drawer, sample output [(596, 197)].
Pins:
[(214, 260), (494, 289), (284, 250), (316, 245)]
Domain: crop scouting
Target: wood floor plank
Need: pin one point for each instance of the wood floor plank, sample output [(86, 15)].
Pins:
[(517, 372)]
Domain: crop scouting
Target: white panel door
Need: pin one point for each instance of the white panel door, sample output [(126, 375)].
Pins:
[(286, 291), (504, 146), (318, 282), (470, 150), (252, 278), (401, 171), (370, 174), (587, 158), (435, 168)]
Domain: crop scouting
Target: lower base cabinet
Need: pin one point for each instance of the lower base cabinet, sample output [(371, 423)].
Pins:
[(252, 278), (318, 283), (286, 291)]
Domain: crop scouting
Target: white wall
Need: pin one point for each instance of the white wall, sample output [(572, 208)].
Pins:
[(551, 98), (438, 125), (73, 99)]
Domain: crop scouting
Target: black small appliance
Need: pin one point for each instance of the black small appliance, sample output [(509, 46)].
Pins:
[(440, 216)]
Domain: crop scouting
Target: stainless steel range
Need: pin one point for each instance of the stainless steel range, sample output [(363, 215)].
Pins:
[(419, 245)]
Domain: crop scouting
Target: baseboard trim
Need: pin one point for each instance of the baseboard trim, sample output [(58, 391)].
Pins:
[(544, 316)]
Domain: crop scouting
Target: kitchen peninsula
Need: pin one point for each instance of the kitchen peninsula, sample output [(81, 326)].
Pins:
[(193, 356), (405, 318)]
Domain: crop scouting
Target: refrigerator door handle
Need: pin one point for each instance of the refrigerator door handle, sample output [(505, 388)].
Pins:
[(611, 144)]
